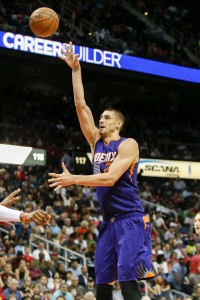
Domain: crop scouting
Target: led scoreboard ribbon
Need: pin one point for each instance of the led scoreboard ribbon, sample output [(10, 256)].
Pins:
[(110, 59)]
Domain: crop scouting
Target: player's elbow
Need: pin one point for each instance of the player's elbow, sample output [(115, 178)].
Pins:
[(111, 180), (80, 105)]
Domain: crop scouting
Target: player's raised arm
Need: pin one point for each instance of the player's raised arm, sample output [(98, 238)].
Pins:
[(83, 111)]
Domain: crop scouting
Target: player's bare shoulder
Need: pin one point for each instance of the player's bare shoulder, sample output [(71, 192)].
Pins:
[(129, 147), (130, 142)]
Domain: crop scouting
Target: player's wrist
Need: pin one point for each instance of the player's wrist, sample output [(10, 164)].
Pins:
[(77, 68), (24, 217)]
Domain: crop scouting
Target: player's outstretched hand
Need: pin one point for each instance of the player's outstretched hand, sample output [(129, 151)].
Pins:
[(59, 180), (69, 56), (12, 198), (39, 217)]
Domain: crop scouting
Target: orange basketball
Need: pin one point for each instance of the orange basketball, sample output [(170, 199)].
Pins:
[(44, 22)]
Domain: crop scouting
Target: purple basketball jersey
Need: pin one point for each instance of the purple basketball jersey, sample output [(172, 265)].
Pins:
[(123, 196)]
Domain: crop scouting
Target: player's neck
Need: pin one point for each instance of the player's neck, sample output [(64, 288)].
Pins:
[(108, 139)]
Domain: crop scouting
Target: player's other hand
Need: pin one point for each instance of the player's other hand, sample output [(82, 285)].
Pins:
[(39, 217), (12, 198), (60, 180), (69, 56)]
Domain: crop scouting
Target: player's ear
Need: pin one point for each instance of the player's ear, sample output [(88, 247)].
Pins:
[(119, 124)]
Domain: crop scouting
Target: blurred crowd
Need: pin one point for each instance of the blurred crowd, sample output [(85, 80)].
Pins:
[(38, 273), (183, 16), (46, 128), (109, 25)]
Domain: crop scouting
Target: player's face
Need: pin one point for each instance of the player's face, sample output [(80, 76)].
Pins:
[(197, 224), (107, 122)]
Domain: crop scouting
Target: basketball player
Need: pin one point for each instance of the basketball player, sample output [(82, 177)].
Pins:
[(39, 217), (197, 224), (124, 242)]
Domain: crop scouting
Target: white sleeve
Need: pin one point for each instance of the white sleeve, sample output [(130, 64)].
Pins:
[(9, 215)]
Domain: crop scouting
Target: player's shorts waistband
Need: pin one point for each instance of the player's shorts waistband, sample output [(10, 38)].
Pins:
[(123, 216)]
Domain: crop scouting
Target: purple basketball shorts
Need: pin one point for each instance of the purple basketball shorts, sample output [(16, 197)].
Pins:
[(124, 249)]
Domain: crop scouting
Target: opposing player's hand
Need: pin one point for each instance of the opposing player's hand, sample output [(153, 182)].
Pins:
[(39, 217), (59, 180), (12, 198), (69, 56)]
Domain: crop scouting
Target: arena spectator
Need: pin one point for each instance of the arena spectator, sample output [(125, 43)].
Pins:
[(27, 254), (91, 286), (191, 247), (12, 289), (177, 274), (41, 248), (75, 285), (56, 282), (7, 272), (196, 293), (22, 272), (194, 270), (47, 295), (68, 226), (54, 228), (61, 270), (84, 276), (43, 281), (75, 268), (34, 271), (48, 269), (35, 289), (68, 279), (23, 232), (89, 296), (27, 284), (20, 247), (179, 249), (63, 290), (40, 262), (159, 221)]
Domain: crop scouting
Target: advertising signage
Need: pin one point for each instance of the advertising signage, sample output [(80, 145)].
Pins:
[(106, 58)]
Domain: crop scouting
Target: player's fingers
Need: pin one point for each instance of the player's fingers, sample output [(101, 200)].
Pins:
[(63, 52), (14, 193), (7, 202), (64, 168), (66, 46), (55, 179), (36, 221), (54, 184), (54, 175), (71, 46), (40, 217), (76, 56), (57, 188), (13, 200), (49, 218)]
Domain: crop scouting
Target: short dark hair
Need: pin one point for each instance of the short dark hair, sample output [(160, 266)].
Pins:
[(118, 112)]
